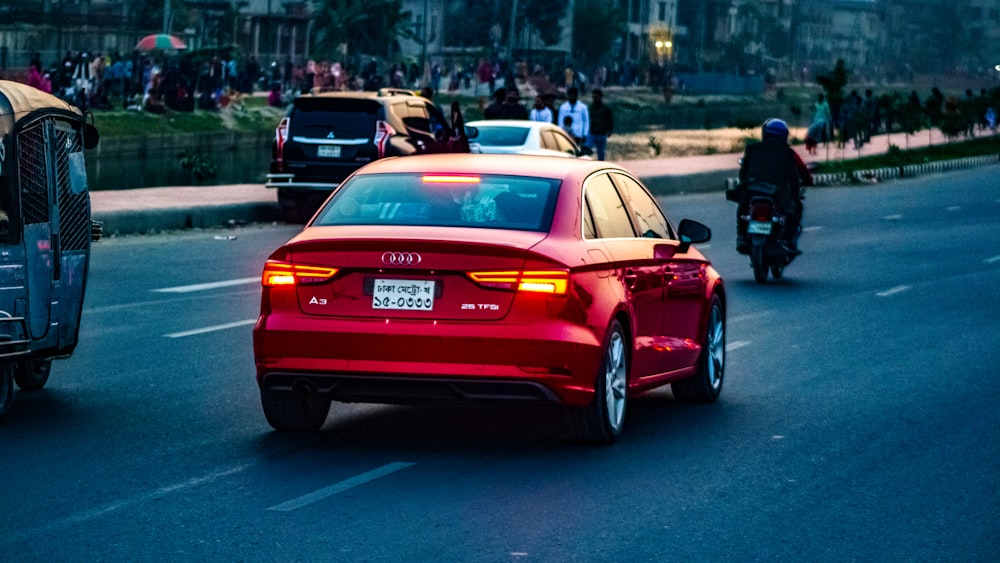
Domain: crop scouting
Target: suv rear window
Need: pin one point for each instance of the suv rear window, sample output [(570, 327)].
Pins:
[(489, 201), (316, 118)]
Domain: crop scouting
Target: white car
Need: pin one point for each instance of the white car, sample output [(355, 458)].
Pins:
[(518, 136)]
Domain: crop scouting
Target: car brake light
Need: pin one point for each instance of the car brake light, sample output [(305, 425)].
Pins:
[(534, 281), (280, 136), (283, 273), (383, 131), (440, 179)]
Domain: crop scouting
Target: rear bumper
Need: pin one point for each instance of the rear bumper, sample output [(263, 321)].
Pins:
[(427, 362), (275, 180)]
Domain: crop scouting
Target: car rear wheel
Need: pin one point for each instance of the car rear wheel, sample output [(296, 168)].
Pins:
[(602, 421), (6, 389), (299, 411), (705, 386), (32, 375)]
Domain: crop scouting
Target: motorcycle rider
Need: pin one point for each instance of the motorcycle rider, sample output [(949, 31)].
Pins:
[(774, 162)]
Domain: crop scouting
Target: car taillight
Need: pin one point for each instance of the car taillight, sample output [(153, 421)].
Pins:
[(534, 281), (280, 136), (282, 273), (383, 132)]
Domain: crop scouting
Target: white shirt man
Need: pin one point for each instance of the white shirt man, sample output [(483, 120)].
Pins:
[(577, 110)]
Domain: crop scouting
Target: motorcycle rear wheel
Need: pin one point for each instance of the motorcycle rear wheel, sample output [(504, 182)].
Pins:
[(777, 271), (758, 263)]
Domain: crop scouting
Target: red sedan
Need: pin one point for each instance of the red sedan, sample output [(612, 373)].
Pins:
[(490, 278)]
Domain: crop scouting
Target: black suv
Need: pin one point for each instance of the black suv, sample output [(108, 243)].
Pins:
[(326, 137)]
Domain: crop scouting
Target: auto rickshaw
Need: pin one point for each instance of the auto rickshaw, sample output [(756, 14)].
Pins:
[(45, 234)]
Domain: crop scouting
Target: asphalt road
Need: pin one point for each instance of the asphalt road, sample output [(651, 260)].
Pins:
[(859, 418)]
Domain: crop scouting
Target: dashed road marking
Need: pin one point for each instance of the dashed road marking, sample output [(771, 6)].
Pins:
[(811, 229), (750, 317), (210, 329), (893, 291), (896, 217), (954, 208), (736, 345), (341, 486), (992, 260), (204, 286)]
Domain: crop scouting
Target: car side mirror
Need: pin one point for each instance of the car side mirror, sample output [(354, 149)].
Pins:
[(471, 132), (692, 232), (585, 151)]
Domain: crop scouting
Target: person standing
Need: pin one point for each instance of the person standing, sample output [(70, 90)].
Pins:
[(577, 110), (602, 123), (539, 112), (512, 108)]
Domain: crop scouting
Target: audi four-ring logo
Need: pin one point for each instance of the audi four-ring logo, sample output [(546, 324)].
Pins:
[(401, 258)]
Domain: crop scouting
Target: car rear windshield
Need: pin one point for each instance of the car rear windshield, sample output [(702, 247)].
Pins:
[(344, 119), (496, 136), (451, 200)]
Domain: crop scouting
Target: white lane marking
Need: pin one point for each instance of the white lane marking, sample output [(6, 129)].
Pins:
[(954, 208), (810, 229), (751, 317), (893, 291), (993, 260), (341, 486), (210, 329), (204, 286), (736, 345), (896, 217), (135, 500)]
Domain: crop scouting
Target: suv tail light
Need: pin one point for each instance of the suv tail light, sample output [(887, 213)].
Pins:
[(535, 281), (383, 131), (280, 136), (282, 273)]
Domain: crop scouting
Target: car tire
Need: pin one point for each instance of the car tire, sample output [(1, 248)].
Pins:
[(6, 389), (32, 375), (706, 384), (294, 412), (602, 421)]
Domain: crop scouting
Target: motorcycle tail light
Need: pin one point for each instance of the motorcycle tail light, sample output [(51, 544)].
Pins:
[(761, 212)]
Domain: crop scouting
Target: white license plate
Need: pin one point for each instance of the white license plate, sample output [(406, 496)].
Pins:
[(331, 151), (403, 295), (759, 228)]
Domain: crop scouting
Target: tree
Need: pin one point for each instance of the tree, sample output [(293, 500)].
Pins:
[(596, 25), (365, 26), (545, 17), (833, 84)]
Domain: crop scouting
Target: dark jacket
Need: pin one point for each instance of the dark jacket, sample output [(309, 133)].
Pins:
[(602, 121), (774, 162)]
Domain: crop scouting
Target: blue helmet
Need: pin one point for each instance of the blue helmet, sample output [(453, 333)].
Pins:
[(775, 128)]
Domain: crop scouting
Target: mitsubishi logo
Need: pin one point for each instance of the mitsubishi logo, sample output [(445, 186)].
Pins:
[(401, 258), (330, 135)]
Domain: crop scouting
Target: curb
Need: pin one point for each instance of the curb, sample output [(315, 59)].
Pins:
[(174, 219)]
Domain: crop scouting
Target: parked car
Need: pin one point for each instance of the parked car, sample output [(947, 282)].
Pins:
[(492, 279), (326, 137), (517, 136)]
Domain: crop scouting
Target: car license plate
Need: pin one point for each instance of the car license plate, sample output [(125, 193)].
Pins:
[(330, 151), (403, 295), (759, 228)]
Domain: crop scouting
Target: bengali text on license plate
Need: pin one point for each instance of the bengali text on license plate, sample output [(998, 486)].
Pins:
[(406, 295), (759, 228), (332, 151)]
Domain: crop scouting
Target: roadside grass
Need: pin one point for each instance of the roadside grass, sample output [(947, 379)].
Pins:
[(250, 114), (901, 157)]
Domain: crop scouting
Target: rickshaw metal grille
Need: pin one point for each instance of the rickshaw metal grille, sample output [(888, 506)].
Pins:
[(31, 164), (74, 224)]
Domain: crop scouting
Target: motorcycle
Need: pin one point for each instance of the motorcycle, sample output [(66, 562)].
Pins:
[(766, 231), (764, 238)]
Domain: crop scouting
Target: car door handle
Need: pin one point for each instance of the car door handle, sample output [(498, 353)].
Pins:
[(631, 278)]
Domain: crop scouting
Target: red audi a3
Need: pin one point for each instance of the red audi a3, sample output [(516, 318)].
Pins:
[(489, 278)]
